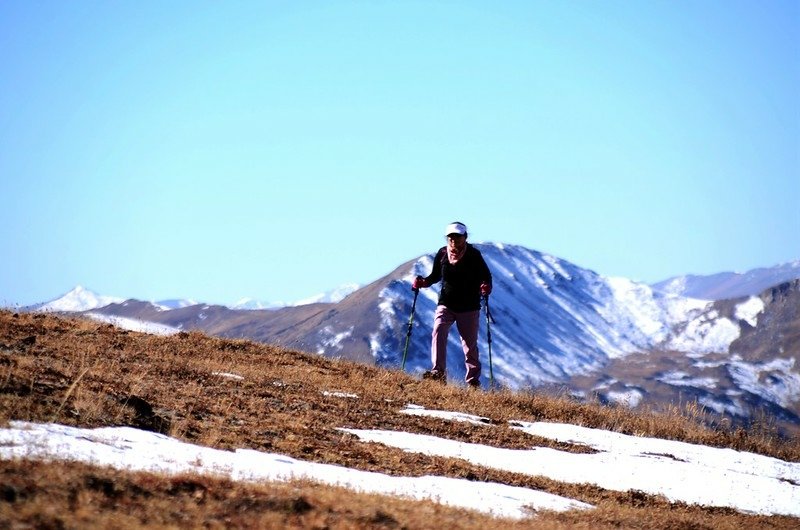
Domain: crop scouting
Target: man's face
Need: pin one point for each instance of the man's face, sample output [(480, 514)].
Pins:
[(456, 242)]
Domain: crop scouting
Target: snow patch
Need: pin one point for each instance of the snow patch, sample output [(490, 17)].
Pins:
[(679, 378), (339, 394), (228, 375), (749, 310), (681, 472), (133, 324), (731, 407), (628, 398), (774, 380), (331, 341), (415, 410), (135, 450)]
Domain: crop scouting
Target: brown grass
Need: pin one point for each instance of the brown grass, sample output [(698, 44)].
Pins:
[(87, 374)]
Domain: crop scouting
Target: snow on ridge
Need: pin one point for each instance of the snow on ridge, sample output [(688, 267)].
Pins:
[(706, 333), (634, 306), (166, 305), (251, 304), (729, 285), (653, 317)]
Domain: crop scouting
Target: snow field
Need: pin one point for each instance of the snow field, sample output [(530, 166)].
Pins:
[(136, 450), (683, 472), (680, 471)]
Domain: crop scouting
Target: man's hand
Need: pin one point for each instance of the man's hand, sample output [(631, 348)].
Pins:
[(486, 289), (418, 282)]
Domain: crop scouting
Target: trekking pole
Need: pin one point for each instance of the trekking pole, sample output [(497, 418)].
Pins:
[(410, 323), (489, 338)]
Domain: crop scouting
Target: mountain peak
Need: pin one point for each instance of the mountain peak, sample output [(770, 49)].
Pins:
[(78, 299)]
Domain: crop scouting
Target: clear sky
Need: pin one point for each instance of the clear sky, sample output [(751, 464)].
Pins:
[(276, 150)]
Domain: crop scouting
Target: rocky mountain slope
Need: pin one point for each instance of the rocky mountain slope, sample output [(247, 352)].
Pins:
[(757, 378)]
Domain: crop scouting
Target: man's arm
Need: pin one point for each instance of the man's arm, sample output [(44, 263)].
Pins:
[(436, 274)]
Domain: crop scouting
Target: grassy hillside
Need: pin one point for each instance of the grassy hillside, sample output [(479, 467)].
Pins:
[(86, 374)]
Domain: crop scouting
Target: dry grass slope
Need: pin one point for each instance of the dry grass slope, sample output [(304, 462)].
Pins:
[(82, 373)]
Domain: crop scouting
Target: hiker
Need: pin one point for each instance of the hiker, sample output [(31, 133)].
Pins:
[(465, 278)]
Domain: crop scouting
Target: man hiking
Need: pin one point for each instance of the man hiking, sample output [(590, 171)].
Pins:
[(465, 278)]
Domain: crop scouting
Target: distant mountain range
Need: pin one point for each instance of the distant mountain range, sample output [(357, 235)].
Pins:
[(82, 299), (730, 284), (557, 325)]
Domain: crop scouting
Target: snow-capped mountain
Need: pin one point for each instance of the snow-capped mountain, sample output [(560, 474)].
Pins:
[(757, 376), (78, 299), (725, 285), (555, 319), (81, 299)]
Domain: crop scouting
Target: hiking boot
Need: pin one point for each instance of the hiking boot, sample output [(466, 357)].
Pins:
[(435, 375), (474, 383)]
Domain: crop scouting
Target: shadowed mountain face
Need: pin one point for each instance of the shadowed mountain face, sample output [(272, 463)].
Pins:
[(776, 335), (555, 324)]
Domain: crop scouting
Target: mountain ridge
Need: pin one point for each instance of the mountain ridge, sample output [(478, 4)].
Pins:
[(717, 286), (726, 285)]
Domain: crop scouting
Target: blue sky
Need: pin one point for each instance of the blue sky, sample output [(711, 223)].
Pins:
[(276, 150)]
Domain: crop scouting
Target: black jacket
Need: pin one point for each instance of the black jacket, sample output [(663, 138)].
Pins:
[(461, 283)]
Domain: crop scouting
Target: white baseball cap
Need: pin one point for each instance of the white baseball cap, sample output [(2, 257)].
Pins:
[(456, 228)]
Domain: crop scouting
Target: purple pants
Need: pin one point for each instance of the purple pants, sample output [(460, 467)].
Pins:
[(467, 323)]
